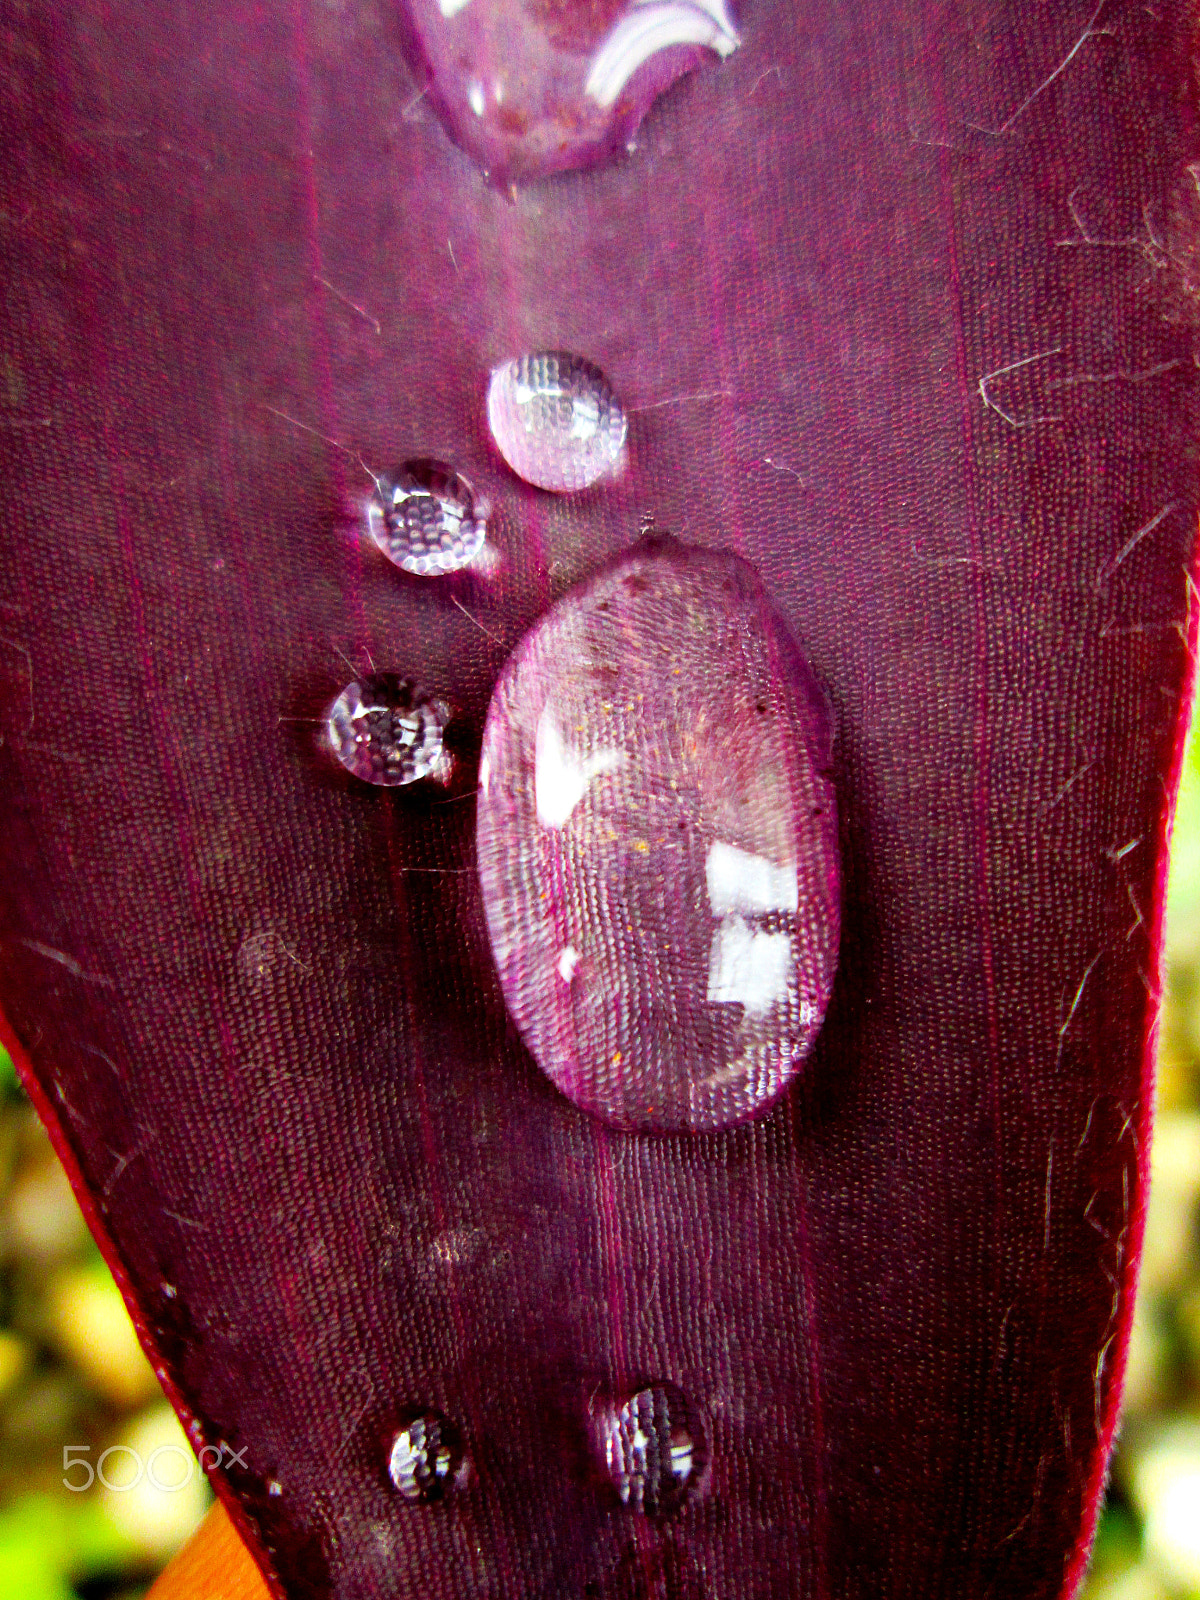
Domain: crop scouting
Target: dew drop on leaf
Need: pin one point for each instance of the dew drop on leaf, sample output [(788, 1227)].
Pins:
[(427, 1460), (556, 421), (427, 518), (653, 1449), (385, 730), (657, 843)]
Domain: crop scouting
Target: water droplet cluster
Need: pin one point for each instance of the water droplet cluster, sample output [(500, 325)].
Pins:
[(385, 730), (657, 843), (556, 421), (428, 1460), (657, 830), (427, 518), (653, 1449)]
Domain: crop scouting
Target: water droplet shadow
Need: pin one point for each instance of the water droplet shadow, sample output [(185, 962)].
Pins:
[(840, 1059)]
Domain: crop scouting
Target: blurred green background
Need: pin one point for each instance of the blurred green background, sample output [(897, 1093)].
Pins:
[(1148, 1547), (72, 1376)]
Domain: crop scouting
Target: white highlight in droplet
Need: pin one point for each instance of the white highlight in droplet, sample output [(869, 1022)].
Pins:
[(560, 777), (738, 880), (748, 966), (567, 962), (650, 27), (451, 8), (681, 1457), (585, 416), (475, 97)]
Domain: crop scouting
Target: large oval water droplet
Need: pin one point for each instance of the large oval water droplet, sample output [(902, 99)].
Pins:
[(385, 730), (531, 87), (653, 1449), (428, 1460), (427, 518), (556, 421), (657, 843)]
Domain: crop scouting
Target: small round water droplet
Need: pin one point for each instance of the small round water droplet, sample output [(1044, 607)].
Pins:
[(427, 1460), (531, 87), (385, 730), (556, 421), (657, 843), (653, 1449), (427, 518)]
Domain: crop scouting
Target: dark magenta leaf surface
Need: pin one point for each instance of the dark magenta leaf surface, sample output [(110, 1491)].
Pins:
[(900, 301)]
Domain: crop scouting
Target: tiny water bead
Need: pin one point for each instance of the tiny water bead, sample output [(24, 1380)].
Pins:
[(427, 518), (428, 1460), (533, 87), (385, 730), (653, 1449), (657, 843), (556, 421)]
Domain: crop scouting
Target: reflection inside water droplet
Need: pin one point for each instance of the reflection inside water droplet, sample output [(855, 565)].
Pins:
[(427, 518), (530, 87), (651, 26), (653, 1449), (385, 730), (556, 421), (427, 1460), (657, 843)]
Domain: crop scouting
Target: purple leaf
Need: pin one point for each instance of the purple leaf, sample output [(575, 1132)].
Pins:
[(901, 302)]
